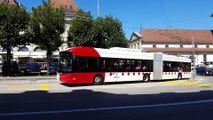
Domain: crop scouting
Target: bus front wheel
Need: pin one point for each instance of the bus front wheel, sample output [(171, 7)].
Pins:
[(146, 78), (98, 80)]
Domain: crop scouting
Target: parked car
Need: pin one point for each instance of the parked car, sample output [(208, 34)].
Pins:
[(43, 65), (204, 71), (30, 67), (54, 67)]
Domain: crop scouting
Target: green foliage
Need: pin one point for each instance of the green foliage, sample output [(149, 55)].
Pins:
[(102, 32), (14, 22), (114, 34), (79, 32), (47, 24)]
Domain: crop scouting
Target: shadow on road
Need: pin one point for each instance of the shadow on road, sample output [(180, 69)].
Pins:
[(118, 83), (86, 103)]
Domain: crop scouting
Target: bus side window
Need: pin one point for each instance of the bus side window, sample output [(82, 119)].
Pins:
[(128, 67), (102, 65), (82, 64), (138, 67)]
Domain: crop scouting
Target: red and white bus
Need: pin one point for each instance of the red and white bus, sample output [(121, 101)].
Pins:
[(86, 65)]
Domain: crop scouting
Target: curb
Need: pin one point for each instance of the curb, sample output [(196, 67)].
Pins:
[(21, 82), (25, 77), (27, 80)]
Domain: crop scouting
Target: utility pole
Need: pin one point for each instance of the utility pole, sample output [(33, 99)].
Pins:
[(193, 57), (98, 8)]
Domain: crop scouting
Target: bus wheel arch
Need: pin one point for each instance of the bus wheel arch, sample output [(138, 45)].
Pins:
[(146, 78), (98, 79)]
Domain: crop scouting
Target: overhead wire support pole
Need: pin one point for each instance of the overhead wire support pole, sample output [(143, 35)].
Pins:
[(98, 8), (193, 57)]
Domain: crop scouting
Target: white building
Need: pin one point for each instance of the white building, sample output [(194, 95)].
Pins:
[(176, 41)]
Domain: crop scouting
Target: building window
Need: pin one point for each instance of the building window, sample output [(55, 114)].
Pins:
[(23, 49), (138, 45), (154, 45), (207, 46), (204, 58), (195, 46), (181, 46), (166, 46)]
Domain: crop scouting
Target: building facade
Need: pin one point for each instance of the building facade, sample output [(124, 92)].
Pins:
[(176, 42), (32, 52)]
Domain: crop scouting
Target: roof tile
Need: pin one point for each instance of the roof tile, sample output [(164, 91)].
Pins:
[(11, 2), (179, 50), (176, 36), (66, 4)]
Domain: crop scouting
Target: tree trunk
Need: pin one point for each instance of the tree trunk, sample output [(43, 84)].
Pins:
[(49, 53), (8, 55), (7, 65)]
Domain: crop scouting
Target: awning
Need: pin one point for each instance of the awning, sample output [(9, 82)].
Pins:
[(34, 54), (21, 54), (5, 53), (38, 55)]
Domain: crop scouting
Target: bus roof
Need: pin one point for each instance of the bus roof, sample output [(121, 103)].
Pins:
[(122, 53)]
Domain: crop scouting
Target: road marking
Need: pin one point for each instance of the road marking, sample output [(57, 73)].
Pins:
[(204, 85), (188, 83), (176, 82), (28, 87), (44, 87), (106, 108), (20, 87)]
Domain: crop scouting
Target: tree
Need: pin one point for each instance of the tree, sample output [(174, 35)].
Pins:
[(102, 32), (14, 21), (47, 24), (111, 34), (80, 30)]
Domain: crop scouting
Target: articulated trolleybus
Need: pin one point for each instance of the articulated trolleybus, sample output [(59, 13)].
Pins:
[(86, 65)]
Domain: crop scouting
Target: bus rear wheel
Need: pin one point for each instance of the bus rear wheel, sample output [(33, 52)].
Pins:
[(98, 80), (146, 78)]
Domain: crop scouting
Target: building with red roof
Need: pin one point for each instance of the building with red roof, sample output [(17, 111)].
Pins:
[(69, 6), (175, 41), (10, 2)]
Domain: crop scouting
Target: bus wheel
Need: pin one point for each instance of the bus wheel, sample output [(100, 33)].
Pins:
[(146, 78), (98, 80), (179, 76)]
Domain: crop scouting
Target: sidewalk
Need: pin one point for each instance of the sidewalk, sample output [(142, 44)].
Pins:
[(6, 80)]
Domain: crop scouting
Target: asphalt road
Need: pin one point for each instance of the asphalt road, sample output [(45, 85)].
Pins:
[(166, 100)]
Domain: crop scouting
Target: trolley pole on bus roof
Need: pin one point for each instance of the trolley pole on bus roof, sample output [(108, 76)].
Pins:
[(193, 57)]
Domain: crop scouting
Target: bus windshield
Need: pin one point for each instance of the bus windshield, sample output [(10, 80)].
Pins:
[(65, 62)]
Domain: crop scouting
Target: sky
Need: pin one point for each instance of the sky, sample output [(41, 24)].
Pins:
[(149, 14)]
